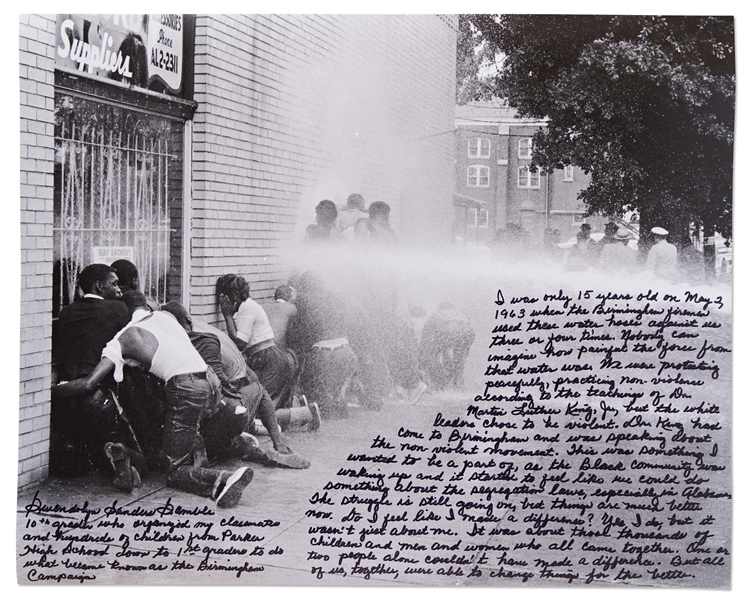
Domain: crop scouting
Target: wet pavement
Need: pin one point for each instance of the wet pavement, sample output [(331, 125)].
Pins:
[(275, 494)]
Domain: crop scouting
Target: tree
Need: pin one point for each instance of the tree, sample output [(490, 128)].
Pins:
[(645, 105), (469, 60)]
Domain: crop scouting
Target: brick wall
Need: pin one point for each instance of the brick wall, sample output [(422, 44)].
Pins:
[(294, 109), (36, 45)]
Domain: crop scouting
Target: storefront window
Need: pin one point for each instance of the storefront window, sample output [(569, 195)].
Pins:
[(118, 194)]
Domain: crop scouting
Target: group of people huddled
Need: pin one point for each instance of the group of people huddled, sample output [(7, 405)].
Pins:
[(353, 323), (145, 388), (351, 222)]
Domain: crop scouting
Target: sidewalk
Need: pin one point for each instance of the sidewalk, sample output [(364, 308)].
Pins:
[(275, 494)]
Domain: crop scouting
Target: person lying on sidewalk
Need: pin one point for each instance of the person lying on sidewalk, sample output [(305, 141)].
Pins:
[(242, 398), (159, 344)]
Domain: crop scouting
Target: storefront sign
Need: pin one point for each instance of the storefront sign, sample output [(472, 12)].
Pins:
[(108, 254), (142, 50), (165, 49)]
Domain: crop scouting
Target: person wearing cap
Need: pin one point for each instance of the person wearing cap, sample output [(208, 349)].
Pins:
[(617, 256), (350, 213), (662, 256), (375, 229), (324, 230)]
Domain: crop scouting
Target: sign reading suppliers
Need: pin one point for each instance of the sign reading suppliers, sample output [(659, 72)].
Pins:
[(141, 50)]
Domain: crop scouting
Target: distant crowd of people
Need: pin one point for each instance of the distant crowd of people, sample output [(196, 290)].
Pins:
[(145, 388), (613, 253)]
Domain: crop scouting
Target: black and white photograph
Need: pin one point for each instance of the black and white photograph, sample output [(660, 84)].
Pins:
[(404, 300)]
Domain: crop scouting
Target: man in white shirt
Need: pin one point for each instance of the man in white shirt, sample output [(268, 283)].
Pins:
[(617, 256), (662, 256), (350, 213), (157, 342)]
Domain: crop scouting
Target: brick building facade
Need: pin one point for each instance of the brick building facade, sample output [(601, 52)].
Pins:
[(494, 187), (273, 114)]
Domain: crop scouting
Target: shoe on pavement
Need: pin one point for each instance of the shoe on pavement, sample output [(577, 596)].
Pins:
[(247, 448), (233, 488), (290, 461), (120, 461)]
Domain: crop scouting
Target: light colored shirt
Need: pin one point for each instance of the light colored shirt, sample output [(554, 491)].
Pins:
[(280, 314), (174, 355), (662, 260), (618, 257), (348, 217), (252, 323), (231, 358)]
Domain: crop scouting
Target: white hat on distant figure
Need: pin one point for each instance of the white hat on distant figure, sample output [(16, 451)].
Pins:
[(659, 231)]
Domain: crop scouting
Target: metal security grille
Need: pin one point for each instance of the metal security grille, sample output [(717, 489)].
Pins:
[(112, 192)]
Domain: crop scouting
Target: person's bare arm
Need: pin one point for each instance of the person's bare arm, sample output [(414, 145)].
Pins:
[(86, 385), (228, 309), (139, 345)]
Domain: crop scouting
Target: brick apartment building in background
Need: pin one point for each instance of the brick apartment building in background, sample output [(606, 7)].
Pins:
[(197, 145), (494, 185)]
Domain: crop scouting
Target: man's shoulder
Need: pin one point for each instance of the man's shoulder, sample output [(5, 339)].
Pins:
[(203, 336), (94, 307), (280, 308)]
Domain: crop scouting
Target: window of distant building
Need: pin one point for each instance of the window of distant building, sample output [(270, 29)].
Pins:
[(578, 219), (569, 173), (471, 218), (478, 176), (483, 219), (528, 179), (525, 148), (479, 147)]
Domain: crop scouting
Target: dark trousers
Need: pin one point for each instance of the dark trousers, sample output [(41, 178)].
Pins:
[(80, 429), (142, 398), (186, 397), (325, 373), (276, 368), (225, 423), (444, 351)]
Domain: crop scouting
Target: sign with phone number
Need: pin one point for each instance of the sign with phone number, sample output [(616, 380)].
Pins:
[(165, 49)]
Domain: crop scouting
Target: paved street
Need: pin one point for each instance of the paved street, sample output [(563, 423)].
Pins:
[(278, 494)]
